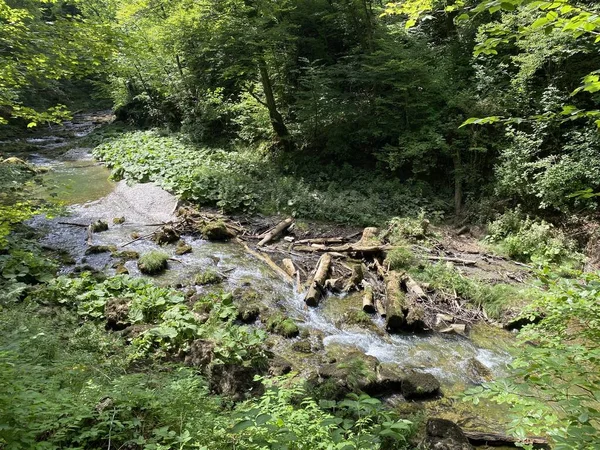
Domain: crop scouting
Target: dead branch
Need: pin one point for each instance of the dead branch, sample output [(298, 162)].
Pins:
[(280, 228)]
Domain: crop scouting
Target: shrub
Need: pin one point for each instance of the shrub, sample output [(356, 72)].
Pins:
[(526, 239), (399, 258)]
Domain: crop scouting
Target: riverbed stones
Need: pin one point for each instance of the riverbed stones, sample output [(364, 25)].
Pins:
[(419, 386), (183, 248), (99, 226), (302, 346), (284, 326), (248, 313), (478, 372), (442, 434)]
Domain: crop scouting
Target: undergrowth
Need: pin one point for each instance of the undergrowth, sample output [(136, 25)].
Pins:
[(235, 180), (495, 299)]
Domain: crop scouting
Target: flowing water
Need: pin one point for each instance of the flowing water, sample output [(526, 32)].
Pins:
[(83, 185)]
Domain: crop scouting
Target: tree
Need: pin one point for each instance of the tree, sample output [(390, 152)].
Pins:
[(41, 43)]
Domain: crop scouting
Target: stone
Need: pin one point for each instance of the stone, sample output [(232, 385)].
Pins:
[(183, 248), (99, 226), (302, 346), (248, 313), (200, 353), (279, 366), (442, 434), (233, 380), (166, 235), (420, 386), (116, 312), (216, 231), (478, 372), (118, 220)]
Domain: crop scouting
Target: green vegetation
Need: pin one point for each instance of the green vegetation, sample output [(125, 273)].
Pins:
[(153, 262), (286, 327), (352, 111), (495, 298)]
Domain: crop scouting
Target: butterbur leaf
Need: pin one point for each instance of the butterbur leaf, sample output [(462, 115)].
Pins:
[(241, 426)]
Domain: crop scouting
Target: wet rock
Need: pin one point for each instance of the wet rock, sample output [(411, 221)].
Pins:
[(248, 313), (99, 226), (200, 353), (279, 366), (420, 386), (478, 372), (166, 235), (121, 270), (442, 434), (216, 231), (284, 326), (118, 220), (153, 262), (233, 380), (388, 381), (97, 249), (354, 372), (127, 255), (302, 346), (207, 277), (183, 248), (116, 312)]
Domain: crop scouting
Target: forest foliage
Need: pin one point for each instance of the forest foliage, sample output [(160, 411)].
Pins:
[(347, 110)]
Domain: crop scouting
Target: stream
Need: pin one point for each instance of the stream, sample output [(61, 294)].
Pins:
[(82, 184)]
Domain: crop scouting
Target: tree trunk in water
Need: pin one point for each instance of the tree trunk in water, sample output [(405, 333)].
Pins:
[(276, 119)]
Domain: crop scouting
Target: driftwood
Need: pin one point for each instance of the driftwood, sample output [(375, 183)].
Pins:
[(289, 267), (501, 440), (464, 262), (315, 290), (334, 240), (265, 258), (368, 304), (413, 289), (280, 228), (73, 224)]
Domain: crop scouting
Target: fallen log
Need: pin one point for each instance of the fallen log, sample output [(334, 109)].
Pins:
[(265, 258), (464, 262), (396, 307), (289, 267), (413, 289), (368, 305), (334, 240), (348, 248), (316, 288), (355, 279), (501, 440), (280, 228)]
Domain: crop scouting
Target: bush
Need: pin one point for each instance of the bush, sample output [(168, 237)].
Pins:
[(526, 239), (399, 258)]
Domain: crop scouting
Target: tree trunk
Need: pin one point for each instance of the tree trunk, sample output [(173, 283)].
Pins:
[(276, 118), (458, 176)]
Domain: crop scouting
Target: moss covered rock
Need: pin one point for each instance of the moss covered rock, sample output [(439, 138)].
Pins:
[(153, 262), (183, 248), (248, 313), (99, 226), (302, 346), (207, 277), (284, 326), (216, 231), (420, 386)]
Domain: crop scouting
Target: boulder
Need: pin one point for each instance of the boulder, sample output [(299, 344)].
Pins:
[(478, 372), (216, 231), (442, 434), (302, 346), (166, 235), (420, 386), (116, 312), (279, 366), (200, 353), (233, 380), (248, 313)]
